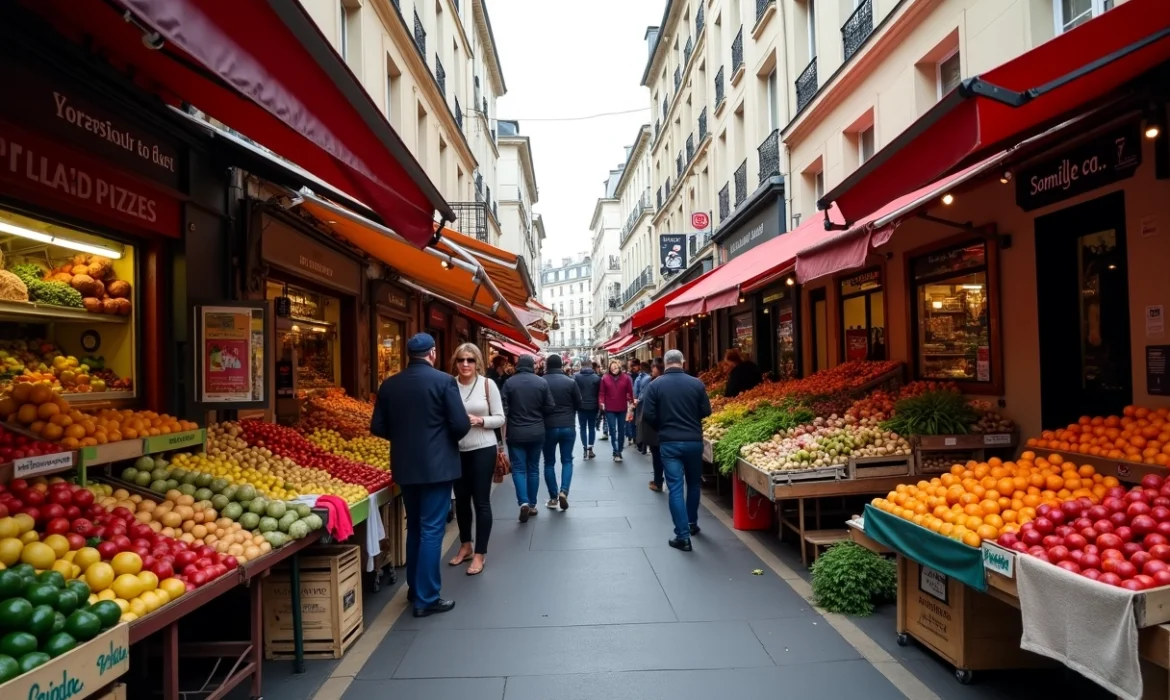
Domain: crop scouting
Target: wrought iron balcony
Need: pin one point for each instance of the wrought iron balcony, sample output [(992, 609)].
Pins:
[(487, 197), (658, 197), (678, 164), (471, 219), (458, 114), (688, 50), (644, 280), (741, 183), (725, 202), (665, 106), (677, 78), (690, 148), (441, 76), (479, 185), (641, 207), (699, 20), (702, 125), (614, 303), (737, 51), (420, 36), (762, 7), (806, 85), (719, 87), (857, 28), (496, 210), (769, 153)]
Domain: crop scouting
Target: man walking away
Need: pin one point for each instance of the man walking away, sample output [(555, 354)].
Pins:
[(527, 402), (635, 371), (420, 412), (675, 405), (559, 432), (589, 385)]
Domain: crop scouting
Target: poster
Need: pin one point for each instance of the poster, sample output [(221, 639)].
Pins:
[(672, 253), (226, 354), (1157, 383), (856, 344), (1155, 321)]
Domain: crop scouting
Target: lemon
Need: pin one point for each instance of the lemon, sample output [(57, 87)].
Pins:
[(8, 528), (123, 604), (138, 607), (10, 548), (149, 580), (127, 586), (151, 600)]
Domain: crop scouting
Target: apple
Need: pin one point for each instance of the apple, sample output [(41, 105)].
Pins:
[(1109, 541), (1143, 525), (1032, 537), (1160, 552), (1019, 547), (1111, 578), (1119, 519), (1043, 510), (1065, 530), (1163, 528), (1092, 549), (1090, 561), (1072, 509), (1051, 541), (1152, 481), (1090, 534), (1160, 513), (1097, 512), (1140, 559), (32, 497), (1113, 505), (1132, 584), (1138, 508), (1081, 523), (1125, 533), (1162, 578), (1105, 525), (1059, 553), (1135, 496), (1069, 566), (108, 550), (1074, 541), (1076, 555), (1094, 573), (1124, 569), (1131, 548), (1044, 526), (1153, 566), (1154, 538)]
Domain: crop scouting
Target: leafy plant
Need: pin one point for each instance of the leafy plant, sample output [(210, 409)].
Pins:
[(757, 426), (848, 578), (931, 413)]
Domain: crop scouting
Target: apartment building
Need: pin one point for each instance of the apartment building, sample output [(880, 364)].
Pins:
[(639, 254), (517, 193), (606, 254), (566, 289)]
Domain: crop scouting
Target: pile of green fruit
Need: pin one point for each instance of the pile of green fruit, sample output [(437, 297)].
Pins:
[(42, 617)]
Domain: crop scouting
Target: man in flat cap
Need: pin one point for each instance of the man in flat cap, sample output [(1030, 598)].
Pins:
[(420, 412)]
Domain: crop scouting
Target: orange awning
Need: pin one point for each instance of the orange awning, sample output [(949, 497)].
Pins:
[(508, 271), (506, 330)]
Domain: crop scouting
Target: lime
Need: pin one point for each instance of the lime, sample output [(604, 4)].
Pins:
[(58, 623), (9, 668), (14, 614), (80, 588), (40, 623), (39, 593), (53, 577), (107, 611), (67, 602), (17, 644), (11, 584), (33, 659), (83, 625), (58, 644)]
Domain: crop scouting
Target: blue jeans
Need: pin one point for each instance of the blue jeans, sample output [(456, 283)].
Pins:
[(525, 458), (656, 458), (426, 521), (564, 438), (632, 430), (616, 420), (683, 464), (587, 421)]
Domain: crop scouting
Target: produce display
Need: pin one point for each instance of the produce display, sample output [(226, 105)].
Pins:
[(829, 387), (84, 281), (371, 450), (53, 292), (756, 428), (332, 410), (16, 446), (825, 442), (40, 411), (932, 413), (1140, 434), (287, 442), (42, 362), (987, 500)]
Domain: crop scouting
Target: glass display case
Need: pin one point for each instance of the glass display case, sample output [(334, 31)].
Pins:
[(953, 333), (308, 336), (391, 347)]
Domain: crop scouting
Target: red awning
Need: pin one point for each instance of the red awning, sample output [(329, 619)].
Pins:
[(967, 125), (720, 288), (617, 341), (520, 335), (656, 311), (512, 348), (264, 69), (664, 327), (627, 342)]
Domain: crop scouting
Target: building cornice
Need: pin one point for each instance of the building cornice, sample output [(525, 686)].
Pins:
[(524, 146), (636, 151), (483, 24), (601, 201)]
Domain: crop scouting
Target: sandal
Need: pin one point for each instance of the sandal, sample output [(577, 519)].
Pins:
[(472, 571), (457, 560)]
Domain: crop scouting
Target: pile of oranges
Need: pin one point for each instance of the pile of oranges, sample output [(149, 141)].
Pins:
[(1139, 435), (979, 501)]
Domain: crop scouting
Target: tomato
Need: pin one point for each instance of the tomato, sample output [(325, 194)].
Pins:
[(108, 550), (57, 526), (82, 498), (33, 498)]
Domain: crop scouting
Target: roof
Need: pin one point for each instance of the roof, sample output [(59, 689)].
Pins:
[(640, 142), (495, 69), (663, 26)]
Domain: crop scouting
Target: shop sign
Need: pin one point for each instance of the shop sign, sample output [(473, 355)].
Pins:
[(856, 344), (174, 441), (55, 175), (437, 318), (862, 281), (284, 379), (700, 220), (1157, 383), (283, 307), (395, 298), (950, 260), (43, 464), (64, 110), (1108, 158), (295, 252), (762, 227), (672, 253), (226, 354), (998, 560)]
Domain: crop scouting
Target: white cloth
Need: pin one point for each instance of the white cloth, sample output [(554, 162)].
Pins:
[(1085, 625), (476, 404), (375, 533)]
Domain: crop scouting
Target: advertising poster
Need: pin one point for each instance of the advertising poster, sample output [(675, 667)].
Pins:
[(856, 344), (227, 354), (672, 252)]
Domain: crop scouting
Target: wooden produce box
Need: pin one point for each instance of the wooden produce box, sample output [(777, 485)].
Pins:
[(973, 441), (78, 674), (331, 604), (930, 462), (876, 467), (394, 522), (857, 536), (116, 691)]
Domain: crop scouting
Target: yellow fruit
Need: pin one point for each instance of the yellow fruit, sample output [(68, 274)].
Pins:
[(123, 603), (64, 568), (138, 607), (128, 617), (127, 563), (38, 554), (70, 555), (31, 536), (163, 597), (59, 544), (100, 576), (93, 598), (86, 556), (10, 549), (8, 528), (24, 522), (173, 587), (107, 595), (149, 580)]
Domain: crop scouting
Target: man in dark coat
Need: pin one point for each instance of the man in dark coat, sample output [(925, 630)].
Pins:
[(589, 384), (527, 402), (420, 412), (559, 432)]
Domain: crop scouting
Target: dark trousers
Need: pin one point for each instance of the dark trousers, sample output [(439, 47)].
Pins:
[(656, 456), (475, 486), (426, 521)]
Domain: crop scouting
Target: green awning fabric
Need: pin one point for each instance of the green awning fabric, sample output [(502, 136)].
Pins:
[(942, 554)]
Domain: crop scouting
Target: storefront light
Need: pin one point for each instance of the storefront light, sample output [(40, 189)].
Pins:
[(790, 281), (41, 237), (936, 304), (976, 287), (948, 198)]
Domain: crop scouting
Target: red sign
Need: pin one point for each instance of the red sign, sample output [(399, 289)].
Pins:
[(856, 344), (57, 176), (437, 318), (700, 220)]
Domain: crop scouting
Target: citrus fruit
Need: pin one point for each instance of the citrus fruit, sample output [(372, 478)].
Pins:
[(173, 586), (8, 528), (59, 544), (64, 568), (127, 563), (10, 549), (149, 580), (99, 576), (128, 617), (123, 605), (138, 607), (150, 600), (107, 595), (107, 612), (127, 586), (85, 557), (39, 555)]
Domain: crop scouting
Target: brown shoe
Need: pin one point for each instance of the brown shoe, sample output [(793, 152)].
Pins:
[(655, 487)]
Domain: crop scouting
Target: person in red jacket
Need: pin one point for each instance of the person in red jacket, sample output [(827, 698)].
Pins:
[(615, 398)]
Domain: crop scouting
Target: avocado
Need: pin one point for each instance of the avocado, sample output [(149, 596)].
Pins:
[(31, 660), (9, 668), (17, 644), (40, 623), (83, 625), (15, 614), (58, 644)]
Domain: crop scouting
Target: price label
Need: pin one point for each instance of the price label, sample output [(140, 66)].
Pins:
[(997, 439), (1122, 470), (30, 466), (174, 441), (933, 583), (999, 561), (950, 442)]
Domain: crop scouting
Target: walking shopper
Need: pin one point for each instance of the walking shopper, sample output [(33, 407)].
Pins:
[(589, 384), (559, 432), (635, 371), (419, 411), (647, 435), (602, 422), (641, 381), (498, 371), (675, 405), (744, 374), (477, 451), (615, 397), (527, 402)]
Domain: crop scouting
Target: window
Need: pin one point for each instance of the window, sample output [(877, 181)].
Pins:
[(864, 150), (949, 74), (773, 102), (1073, 13), (863, 316), (812, 29), (819, 185), (393, 89), (343, 26)]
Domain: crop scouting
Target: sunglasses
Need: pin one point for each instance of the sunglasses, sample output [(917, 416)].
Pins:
[(465, 361)]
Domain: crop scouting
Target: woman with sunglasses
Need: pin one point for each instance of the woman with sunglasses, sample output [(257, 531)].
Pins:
[(477, 450)]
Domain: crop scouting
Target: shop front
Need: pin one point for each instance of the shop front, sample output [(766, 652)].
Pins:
[(780, 331), (391, 325)]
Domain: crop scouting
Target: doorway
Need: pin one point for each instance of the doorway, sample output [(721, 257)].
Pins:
[(1082, 285), (819, 316)]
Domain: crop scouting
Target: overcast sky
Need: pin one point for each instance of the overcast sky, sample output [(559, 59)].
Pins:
[(568, 59)]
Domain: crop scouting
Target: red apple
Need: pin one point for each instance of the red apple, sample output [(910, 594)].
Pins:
[(1105, 525), (1071, 509), (1124, 569), (1161, 552), (1109, 541), (1069, 566), (1143, 525), (1065, 530), (1113, 505), (1152, 481), (1098, 512), (1154, 538), (1140, 559), (1044, 526), (1162, 578), (1111, 578), (1076, 541), (1131, 548), (1051, 541), (1059, 553), (1135, 496), (1132, 584), (1057, 516), (1160, 512), (76, 541), (1082, 523), (1019, 547), (1090, 561), (1043, 510), (1092, 573), (1138, 508), (1092, 549), (1154, 566), (1033, 538), (1125, 533), (1112, 554), (1007, 539), (1076, 555), (1163, 528), (1119, 519)]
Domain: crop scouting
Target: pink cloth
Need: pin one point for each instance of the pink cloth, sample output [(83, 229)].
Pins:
[(616, 392), (340, 522)]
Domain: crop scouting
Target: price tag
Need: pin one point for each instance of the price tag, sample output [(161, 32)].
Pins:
[(30, 466), (174, 441), (950, 442), (1122, 470), (997, 439), (933, 583), (997, 560)]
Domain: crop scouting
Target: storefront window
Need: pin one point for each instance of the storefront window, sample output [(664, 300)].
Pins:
[(863, 316), (742, 334), (390, 347), (780, 307), (953, 335), (309, 337)]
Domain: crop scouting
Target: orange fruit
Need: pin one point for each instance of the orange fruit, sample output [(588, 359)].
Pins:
[(972, 539)]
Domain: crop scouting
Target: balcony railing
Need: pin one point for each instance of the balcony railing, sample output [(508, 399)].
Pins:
[(678, 164), (471, 219), (420, 36), (769, 153), (737, 52), (614, 303), (719, 87), (725, 202), (677, 78), (658, 197), (699, 19), (640, 207), (666, 194), (690, 148), (441, 76), (702, 125), (665, 106), (688, 50), (458, 114), (857, 28), (741, 183), (642, 281), (806, 85), (657, 128), (762, 7)]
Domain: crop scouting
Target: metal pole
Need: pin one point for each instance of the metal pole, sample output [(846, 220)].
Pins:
[(298, 633)]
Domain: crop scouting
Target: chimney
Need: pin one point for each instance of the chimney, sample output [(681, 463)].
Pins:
[(651, 40)]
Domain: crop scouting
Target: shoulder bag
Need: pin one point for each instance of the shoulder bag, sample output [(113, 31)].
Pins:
[(503, 465)]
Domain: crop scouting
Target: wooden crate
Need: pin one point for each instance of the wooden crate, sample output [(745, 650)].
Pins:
[(92, 665), (394, 522), (877, 467), (973, 441), (939, 462), (331, 604)]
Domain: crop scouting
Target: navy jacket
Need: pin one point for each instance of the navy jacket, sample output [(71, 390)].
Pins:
[(420, 412), (566, 399), (589, 384), (527, 402), (675, 405)]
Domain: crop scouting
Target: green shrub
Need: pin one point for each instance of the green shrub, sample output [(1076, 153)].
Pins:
[(847, 579)]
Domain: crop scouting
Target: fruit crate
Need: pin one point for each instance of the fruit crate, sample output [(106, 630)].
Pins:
[(974, 441), (932, 462), (787, 477), (877, 467), (94, 664), (331, 604)]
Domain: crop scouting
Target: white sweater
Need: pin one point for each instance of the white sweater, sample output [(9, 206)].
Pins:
[(476, 404)]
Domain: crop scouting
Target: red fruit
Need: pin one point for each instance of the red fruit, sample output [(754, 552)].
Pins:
[(82, 527), (76, 541), (1052, 541), (61, 497), (1091, 573), (57, 526), (198, 578), (1134, 495), (1125, 533), (1138, 508), (1027, 526), (1057, 516), (1098, 512), (1072, 509), (140, 531), (107, 550), (32, 497), (34, 513), (1109, 541), (1007, 539), (1140, 559), (72, 512), (1151, 481), (1161, 501), (1090, 561), (1076, 555), (123, 513), (83, 498), (1082, 523), (1032, 537), (1131, 548), (1119, 519), (1104, 526), (1112, 554), (163, 569), (204, 562), (1113, 504), (206, 551), (185, 558), (144, 542), (1090, 534), (1142, 525), (1124, 569), (1163, 528), (1043, 510), (1069, 566), (1044, 526), (1111, 578), (1019, 547), (1161, 552), (1059, 553), (148, 561), (1075, 541), (1132, 584), (1154, 538), (122, 542), (1042, 556), (1092, 548), (1153, 566), (1162, 578)]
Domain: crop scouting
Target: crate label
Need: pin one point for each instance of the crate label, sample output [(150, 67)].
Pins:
[(77, 674), (997, 561), (348, 600), (1122, 470), (950, 442), (933, 583), (174, 441), (997, 439), (30, 466)]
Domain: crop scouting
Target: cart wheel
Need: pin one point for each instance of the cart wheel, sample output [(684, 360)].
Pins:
[(965, 676), (903, 640)]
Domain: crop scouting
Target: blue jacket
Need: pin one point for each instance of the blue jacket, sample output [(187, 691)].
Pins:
[(589, 384), (420, 412), (675, 405), (640, 383)]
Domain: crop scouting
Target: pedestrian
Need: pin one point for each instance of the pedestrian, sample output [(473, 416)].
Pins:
[(675, 405), (498, 371), (641, 381), (477, 451), (420, 412), (635, 371), (647, 435), (527, 402), (744, 373), (602, 423), (559, 431), (588, 383), (615, 397)]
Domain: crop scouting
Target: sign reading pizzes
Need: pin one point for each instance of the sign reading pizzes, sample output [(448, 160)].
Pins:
[(1108, 158)]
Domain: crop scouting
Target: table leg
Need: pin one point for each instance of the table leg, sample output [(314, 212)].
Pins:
[(170, 659), (800, 530), (298, 632), (257, 602)]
